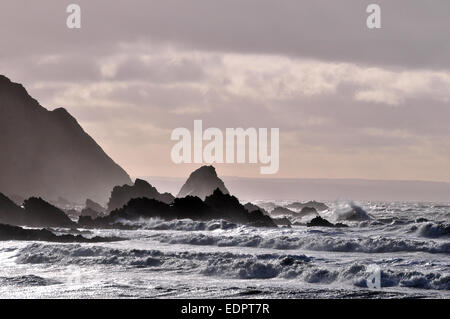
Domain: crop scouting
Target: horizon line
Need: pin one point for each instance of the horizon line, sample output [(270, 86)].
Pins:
[(301, 178)]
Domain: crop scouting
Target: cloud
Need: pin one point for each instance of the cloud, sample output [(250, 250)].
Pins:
[(345, 98), (411, 35), (378, 96)]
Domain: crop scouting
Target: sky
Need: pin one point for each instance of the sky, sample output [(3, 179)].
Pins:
[(350, 102)]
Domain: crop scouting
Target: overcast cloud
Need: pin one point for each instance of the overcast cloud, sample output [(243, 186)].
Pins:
[(350, 102)]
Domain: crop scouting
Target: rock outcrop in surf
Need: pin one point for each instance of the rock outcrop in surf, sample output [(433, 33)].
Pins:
[(312, 204), (215, 206), (252, 207), (230, 209), (48, 154), (282, 211), (39, 213), (36, 213), (121, 195), (321, 222), (202, 183), (9, 232)]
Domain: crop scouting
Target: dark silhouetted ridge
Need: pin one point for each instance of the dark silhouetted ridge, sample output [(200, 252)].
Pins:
[(123, 194), (47, 153)]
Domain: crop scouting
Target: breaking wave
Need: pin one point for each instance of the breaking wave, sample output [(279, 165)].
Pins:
[(379, 244), (180, 224), (432, 230), (26, 280), (349, 211), (230, 265)]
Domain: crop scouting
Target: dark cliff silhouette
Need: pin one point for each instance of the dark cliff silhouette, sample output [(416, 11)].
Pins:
[(42, 214), (36, 213), (123, 194), (202, 182), (47, 153), (10, 213)]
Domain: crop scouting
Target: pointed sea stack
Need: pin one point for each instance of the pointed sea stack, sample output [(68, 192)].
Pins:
[(202, 182)]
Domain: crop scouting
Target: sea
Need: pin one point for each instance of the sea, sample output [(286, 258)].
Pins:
[(389, 250)]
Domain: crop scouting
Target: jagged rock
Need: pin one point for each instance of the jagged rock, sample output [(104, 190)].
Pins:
[(92, 209), (62, 203), (36, 212), (10, 213), (17, 199), (267, 206), (282, 221), (321, 222), (308, 210), (250, 207), (94, 206), (215, 206), (259, 219), (313, 204), (48, 154), (136, 208), (281, 211), (99, 222), (202, 182), (90, 212), (40, 213), (230, 209), (194, 208), (143, 208), (123, 194), (8, 232)]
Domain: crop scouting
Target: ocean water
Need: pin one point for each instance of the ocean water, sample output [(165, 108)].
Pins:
[(407, 244)]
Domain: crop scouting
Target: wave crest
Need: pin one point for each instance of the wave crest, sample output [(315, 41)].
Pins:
[(180, 224)]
